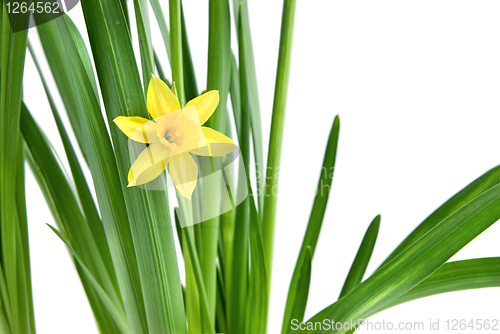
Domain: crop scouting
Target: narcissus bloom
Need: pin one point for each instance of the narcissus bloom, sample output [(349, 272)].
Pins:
[(172, 136)]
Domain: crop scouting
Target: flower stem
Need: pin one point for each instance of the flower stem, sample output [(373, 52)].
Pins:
[(277, 127), (176, 48)]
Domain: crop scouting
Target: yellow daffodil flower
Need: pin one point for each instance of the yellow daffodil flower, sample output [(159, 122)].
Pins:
[(172, 136)]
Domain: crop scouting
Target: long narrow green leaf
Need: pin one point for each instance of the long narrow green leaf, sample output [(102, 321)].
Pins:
[(5, 322), (234, 89), (302, 291), (54, 50), (4, 326), (23, 229), (481, 184), (12, 56), (419, 260), (315, 219), (83, 191), (256, 318), (455, 276), (5, 301), (452, 276), (191, 294), (362, 259), (484, 182), (125, 12), (5, 318), (161, 73), (211, 199), (208, 324), (253, 97), (145, 43), (188, 70), (219, 58), (116, 313), (219, 48), (277, 127), (162, 23), (66, 211), (148, 210), (220, 316), (238, 292), (104, 171), (226, 242), (193, 309), (243, 96)]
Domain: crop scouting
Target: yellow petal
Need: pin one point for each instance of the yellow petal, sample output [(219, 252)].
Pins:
[(160, 98), (205, 104), (141, 169), (184, 173), (147, 175), (216, 144), (137, 128)]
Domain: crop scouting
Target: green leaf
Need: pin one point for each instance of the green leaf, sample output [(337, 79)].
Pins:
[(125, 12), (478, 186), (219, 58), (104, 171), (193, 309), (145, 44), (243, 96), (253, 96), (5, 312), (362, 259), (239, 290), (256, 318), (161, 73), (234, 89), (188, 68), (221, 322), (302, 291), (191, 294), (66, 211), (455, 276), (13, 247), (23, 229), (4, 326), (148, 211), (219, 48), (226, 240), (238, 293), (315, 219), (419, 260), (277, 127), (117, 314), (5, 318), (207, 322), (84, 195), (210, 236), (452, 276), (54, 49), (162, 23)]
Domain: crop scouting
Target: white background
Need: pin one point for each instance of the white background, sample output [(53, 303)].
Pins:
[(416, 84)]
